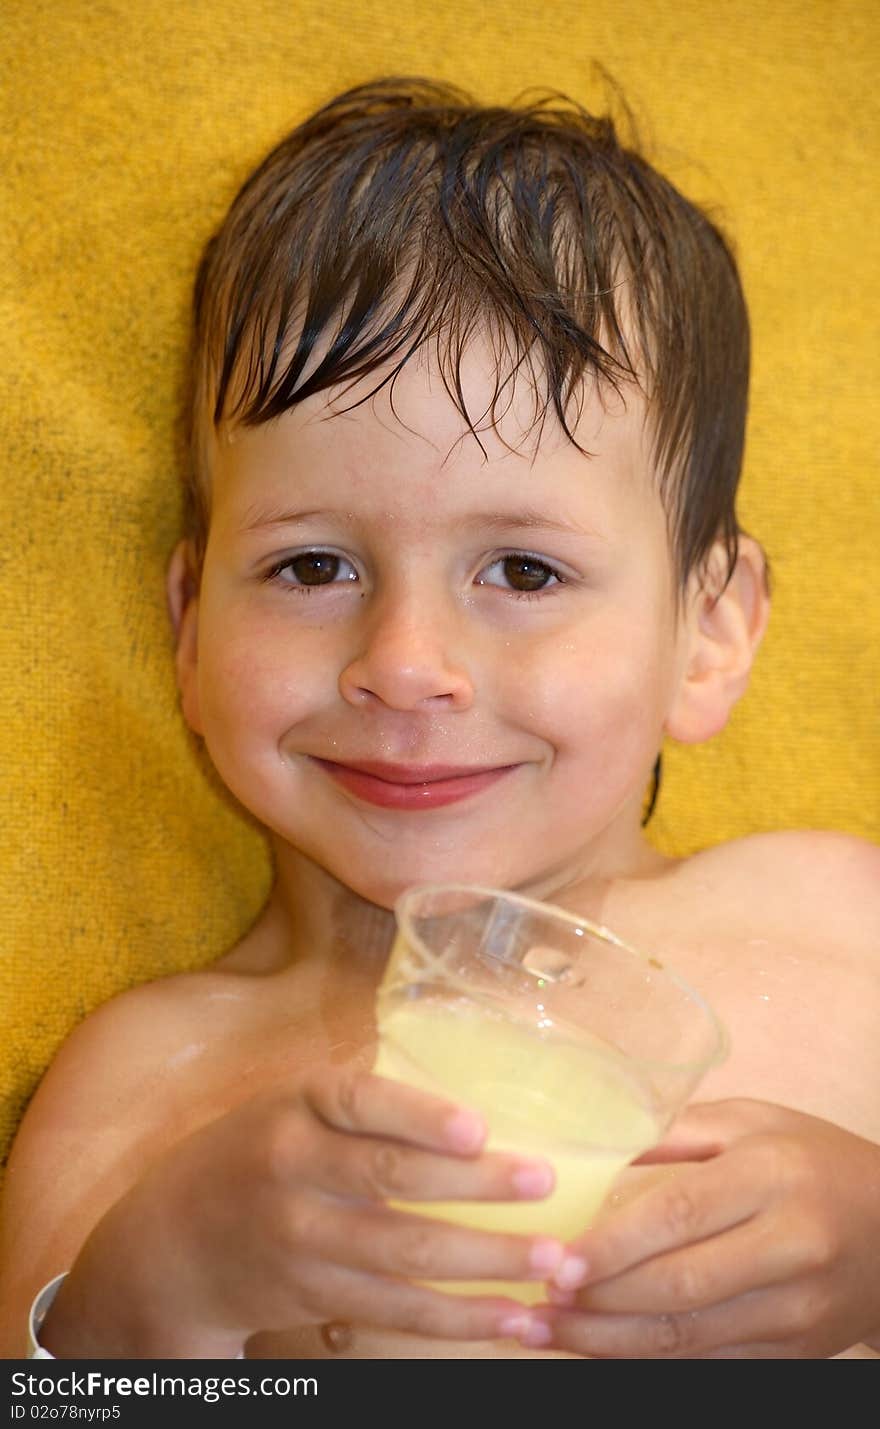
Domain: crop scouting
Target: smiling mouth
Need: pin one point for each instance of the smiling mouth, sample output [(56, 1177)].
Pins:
[(412, 786)]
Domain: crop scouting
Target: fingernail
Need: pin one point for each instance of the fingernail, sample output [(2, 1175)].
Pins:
[(545, 1256), (571, 1273), (513, 1327), (536, 1335), (533, 1179), (526, 1329), (465, 1131)]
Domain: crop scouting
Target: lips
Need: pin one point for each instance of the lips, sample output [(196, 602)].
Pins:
[(412, 786)]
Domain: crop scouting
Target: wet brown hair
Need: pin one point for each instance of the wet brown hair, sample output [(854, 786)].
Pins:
[(404, 213)]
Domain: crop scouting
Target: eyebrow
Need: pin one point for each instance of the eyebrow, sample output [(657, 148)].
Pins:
[(259, 520), (527, 518)]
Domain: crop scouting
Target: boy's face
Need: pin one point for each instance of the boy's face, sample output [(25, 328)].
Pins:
[(414, 664)]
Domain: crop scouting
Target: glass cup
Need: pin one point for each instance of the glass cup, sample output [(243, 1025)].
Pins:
[(573, 1045)]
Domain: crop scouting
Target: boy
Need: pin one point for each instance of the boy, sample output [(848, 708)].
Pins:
[(468, 417)]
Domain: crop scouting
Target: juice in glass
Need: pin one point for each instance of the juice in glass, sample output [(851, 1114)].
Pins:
[(533, 1018)]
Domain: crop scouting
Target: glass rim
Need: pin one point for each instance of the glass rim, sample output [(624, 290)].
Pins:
[(597, 930)]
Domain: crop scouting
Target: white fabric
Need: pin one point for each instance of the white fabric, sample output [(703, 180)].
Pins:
[(39, 1311)]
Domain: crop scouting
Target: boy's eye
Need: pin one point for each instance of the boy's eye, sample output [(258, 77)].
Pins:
[(313, 568), (519, 572)]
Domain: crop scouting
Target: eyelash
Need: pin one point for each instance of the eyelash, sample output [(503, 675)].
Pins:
[(272, 576), (527, 558)]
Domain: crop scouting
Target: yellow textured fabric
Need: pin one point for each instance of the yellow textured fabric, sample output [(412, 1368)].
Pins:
[(126, 128)]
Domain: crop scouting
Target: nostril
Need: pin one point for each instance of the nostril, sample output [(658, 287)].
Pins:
[(405, 684)]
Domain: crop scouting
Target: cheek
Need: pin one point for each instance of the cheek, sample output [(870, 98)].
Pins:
[(253, 685), (593, 683), (611, 686)]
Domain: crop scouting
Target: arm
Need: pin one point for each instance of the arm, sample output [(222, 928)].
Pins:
[(182, 1242)]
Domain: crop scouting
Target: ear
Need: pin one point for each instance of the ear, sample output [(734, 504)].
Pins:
[(724, 625), (181, 588)]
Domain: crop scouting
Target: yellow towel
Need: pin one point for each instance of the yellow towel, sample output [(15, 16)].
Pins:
[(126, 129)]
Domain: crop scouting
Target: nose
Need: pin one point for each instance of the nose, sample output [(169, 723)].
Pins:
[(411, 659)]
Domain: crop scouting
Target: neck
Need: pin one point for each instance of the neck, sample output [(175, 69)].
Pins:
[(311, 916), (317, 917)]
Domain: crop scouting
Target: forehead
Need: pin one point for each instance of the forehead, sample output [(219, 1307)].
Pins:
[(407, 450)]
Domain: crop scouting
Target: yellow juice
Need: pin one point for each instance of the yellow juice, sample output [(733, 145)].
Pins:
[(577, 1104)]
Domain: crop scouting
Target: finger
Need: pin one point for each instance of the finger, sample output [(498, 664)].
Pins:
[(692, 1203), (742, 1328), (376, 1168), (335, 1292), (362, 1103), (753, 1256), (705, 1129), (413, 1247)]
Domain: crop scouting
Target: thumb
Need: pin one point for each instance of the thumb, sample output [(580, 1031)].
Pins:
[(705, 1129)]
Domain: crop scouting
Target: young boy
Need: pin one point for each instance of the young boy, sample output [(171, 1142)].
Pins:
[(468, 415)]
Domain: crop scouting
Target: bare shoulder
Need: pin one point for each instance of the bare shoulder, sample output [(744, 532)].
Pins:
[(109, 1103), (781, 932), (808, 882), (137, 1074), (103, 1079), (796, 854), (140, 1066)]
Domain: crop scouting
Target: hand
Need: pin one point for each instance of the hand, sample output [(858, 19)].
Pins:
[(764, 1242), (274, 1216)]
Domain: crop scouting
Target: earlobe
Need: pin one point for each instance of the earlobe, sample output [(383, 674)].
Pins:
[(725, 625), (181, 587)]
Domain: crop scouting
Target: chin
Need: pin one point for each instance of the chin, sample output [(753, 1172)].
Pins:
[(384, 890)]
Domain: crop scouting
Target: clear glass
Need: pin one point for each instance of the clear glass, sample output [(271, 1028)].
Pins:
[(573, 1045)]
